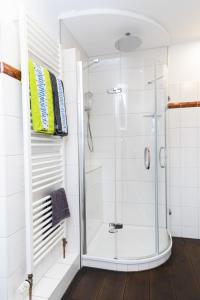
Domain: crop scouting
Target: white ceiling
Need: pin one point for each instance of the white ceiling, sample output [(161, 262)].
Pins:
[(181, 18), (97, 34)]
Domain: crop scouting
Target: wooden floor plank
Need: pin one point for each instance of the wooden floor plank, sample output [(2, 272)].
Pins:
[(178, 279), (113, 287), (137, 286), (161, 283), (192, 250), (182, 274), (89, 285), (74, 284)]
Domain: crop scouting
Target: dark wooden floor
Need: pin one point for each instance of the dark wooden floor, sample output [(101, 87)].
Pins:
[(178, 279)]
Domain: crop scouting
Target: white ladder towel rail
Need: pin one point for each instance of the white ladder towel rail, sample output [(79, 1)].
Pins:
[(44, 159)]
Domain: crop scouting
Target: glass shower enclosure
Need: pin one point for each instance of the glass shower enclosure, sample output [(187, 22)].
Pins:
[(125, 195)]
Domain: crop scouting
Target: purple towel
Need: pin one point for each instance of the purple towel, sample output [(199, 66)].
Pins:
[(60, 208)]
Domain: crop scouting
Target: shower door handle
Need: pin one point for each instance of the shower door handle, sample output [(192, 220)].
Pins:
[(162, 165), (147, 158)]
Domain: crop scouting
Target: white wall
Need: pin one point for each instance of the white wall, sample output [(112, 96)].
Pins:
[(12, 227), (183, 140), (184, 62), (70, 58), (68, 41)]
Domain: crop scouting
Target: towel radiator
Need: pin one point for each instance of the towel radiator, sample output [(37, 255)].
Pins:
[(44, 159)]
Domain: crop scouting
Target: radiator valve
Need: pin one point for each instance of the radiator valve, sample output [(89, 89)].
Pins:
[(23, 289)]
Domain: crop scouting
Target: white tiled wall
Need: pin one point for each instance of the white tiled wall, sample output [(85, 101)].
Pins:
[(183, 141), (184, 173), (12, 221), (94, 205), (70, 58)]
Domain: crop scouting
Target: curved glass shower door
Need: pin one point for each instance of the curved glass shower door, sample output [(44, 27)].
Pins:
[(140, 161), (125, 199), (135, 164)]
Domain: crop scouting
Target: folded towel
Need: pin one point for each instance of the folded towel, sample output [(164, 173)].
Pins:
[(59, 107), (41, 98), (60, 208), (62, 109)]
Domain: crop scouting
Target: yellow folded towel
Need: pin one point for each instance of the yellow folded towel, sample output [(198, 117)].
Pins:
[(41, 98)]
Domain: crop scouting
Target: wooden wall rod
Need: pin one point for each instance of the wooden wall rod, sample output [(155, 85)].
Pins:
[(10, 71), (172, 105)]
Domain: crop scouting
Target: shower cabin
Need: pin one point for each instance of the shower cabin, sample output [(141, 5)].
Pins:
[(122, 155), (125, 198)]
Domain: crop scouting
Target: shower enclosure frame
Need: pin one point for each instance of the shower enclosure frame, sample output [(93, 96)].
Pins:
[(119, 264)]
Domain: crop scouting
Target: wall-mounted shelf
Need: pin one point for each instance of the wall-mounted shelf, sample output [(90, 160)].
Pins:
[(10, 71)]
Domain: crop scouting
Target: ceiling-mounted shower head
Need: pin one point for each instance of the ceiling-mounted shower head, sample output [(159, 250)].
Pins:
[(128, 43)]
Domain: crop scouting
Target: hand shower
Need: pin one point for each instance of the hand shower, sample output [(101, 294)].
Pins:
[(88, 107)]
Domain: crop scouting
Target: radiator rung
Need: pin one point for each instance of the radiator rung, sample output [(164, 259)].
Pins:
[(47, 185), (41, 213), (51, 51), (46, 174), (45, 139), (37, 241), (40, 232), (41, 219), (46, 180), (38, 249), (48, 168), (32, 26), (46, 162), (41, 200), (45, 145), (47, 62), (42, 156), (38, 208), (36, 261), (41, 225)]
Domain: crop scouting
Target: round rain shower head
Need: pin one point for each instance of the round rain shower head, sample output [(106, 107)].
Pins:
[(128, 43)]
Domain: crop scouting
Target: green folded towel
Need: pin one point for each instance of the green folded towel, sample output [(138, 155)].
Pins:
[(41, 97)]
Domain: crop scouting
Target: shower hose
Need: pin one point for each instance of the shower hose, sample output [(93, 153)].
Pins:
[(89, 134)]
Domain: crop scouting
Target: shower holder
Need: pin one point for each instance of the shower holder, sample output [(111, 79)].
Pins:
[(113, 227)]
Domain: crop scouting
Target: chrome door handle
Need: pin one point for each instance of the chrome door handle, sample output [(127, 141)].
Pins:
[(147, 158), (162, 165)]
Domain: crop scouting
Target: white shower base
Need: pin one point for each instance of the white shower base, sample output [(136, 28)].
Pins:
[(130, 249)]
